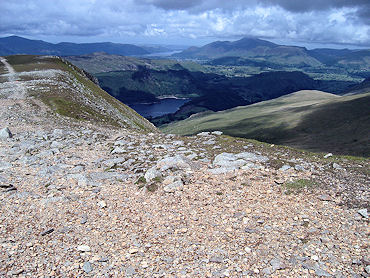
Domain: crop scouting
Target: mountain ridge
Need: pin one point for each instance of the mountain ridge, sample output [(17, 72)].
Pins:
[(18, 45)]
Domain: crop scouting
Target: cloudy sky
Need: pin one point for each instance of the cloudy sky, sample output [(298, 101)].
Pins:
[(312, 23)]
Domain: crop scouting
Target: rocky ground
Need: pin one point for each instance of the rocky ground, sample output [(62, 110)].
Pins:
[(78, 200)]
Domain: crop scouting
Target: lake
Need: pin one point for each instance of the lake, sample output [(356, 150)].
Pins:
[(164, 106)]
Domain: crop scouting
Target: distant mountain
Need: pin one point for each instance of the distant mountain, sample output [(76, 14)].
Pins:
[(98, 62), (259, 50), (18, 45), (337, 57), (309, 120)]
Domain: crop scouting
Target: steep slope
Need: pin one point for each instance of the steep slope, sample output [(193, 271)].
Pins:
[(66, 90), (361, 88), (307, 119), (18, 45)]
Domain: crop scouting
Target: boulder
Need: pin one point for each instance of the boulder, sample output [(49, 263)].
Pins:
[(177, 162), (152, 173)]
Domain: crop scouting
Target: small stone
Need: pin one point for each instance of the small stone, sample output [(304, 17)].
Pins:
[(229, 229), (337, 166), (279, 181), (87, 267), (315, 257), (328, 155), (324, 197), (363, 213), (144, 264), (218, 133), (84, 248), (5, 133), (16, 272), (285, 168), (203, 134), (103, 260), (133, 250), (47, 232), (367, 269), (247, 249), (102, 204), (130, 271)]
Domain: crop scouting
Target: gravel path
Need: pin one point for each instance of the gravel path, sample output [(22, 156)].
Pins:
[(18, 90)]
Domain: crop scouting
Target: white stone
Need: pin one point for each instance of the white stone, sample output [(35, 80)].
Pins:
[(84, 248)]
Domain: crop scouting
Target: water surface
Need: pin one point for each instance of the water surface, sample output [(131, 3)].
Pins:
[(164, 106)]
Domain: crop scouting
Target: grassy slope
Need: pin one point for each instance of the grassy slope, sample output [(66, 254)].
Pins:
[(309, 120), (75, 96)]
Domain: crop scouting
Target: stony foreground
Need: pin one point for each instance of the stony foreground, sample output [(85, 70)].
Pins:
[(92, 202), (79, 200)]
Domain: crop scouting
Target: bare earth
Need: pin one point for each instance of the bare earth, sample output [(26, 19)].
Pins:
[(73, 203)]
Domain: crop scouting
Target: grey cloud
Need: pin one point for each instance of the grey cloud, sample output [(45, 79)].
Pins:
[(294, 6), (172, 4)]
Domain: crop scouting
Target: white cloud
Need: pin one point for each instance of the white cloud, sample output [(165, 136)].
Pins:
[(176, 22)]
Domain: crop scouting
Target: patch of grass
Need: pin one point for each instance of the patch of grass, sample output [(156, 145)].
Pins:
[(298, 185), (219, 193), (152, 187), (141, 180)]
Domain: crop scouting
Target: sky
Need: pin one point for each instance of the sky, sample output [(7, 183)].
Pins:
[(310, 23)]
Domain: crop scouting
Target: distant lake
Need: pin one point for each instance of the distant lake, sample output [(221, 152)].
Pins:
[(164, 106)]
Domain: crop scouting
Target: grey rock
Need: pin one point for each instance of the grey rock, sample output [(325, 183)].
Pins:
[(268, 270), (178, 143), (130, 271), (56, 144), (112, 162), (152, 173), (209, 142), (216, 259), (276, 264), (177, 162), (103, 260), (87, 267), (322, 273), (337, 166), (252, 157), (218, 133), (367, 269), (250, 165), (4, 165), (363, 213), (299, 168), (222, 170), (174, 186), (203, 134), (118, 150), (324, 197), (285, 168), (5, 133)]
